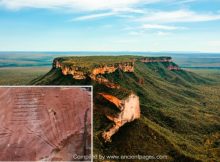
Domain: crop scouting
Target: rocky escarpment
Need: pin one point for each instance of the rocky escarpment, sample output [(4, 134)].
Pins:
[(156, 59), (129, 107), (171, 67), (95, 73), (76, 71), (166, 96), (129, 110)]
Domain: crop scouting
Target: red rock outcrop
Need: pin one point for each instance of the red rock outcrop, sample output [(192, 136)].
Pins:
[(129, 111), (82, 71), (96, 73), (165, 59), (37, 123), (173, 68), (102, 80)]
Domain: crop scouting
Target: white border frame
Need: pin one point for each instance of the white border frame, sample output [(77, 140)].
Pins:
[(70, 86)]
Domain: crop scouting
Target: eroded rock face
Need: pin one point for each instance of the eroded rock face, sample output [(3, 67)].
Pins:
[(177, 68), (96, 74), (44, 123), (130, 110), (102, 80), (77, 70)]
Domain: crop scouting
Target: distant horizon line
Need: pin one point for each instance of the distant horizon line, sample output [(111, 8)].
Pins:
[(100, 51)]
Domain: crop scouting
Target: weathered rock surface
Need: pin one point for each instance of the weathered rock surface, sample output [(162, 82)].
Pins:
[(155, 59), (44, 123), (177, 68), (129, 111), (96, 73), (100, 69)]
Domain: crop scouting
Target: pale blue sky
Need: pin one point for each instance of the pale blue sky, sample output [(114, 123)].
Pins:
[(110, 25)]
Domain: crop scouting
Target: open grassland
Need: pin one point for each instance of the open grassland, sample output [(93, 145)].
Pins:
[(209, 73), (20, 75)]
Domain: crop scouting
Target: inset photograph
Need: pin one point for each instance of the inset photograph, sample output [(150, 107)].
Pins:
[(45, 123)]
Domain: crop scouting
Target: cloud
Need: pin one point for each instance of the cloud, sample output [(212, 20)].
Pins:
[(178, 16), (136, 33), (161, 27), (129, 10), (93, 16), (122, 12), (161, 33), (155, 28), (184, 1), (88, 5), (215, 43)]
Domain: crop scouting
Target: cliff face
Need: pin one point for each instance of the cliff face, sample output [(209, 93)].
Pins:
[(82, 71), (77, 72), (96, 73), (159, 59), (129, 111), (177, 68), (125, 67)]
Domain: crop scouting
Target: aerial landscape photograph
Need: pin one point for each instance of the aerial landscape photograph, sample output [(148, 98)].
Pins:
[(110, 80)]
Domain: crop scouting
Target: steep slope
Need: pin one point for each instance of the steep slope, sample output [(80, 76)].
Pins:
[(172, 103)]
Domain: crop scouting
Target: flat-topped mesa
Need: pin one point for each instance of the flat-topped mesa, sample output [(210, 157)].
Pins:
[(94, 71), (156, 59), (129, 111), (175, 68)]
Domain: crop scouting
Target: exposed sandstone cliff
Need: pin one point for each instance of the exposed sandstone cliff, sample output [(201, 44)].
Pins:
[(96, 73), (129, 111), (177, 68), (76, 71), (80, 72), (124, 66), (155, 59)]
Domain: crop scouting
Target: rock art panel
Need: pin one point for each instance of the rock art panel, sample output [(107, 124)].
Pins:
[(44, 123)]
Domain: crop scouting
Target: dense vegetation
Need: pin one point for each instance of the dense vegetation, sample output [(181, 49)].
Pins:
[(179, 116)]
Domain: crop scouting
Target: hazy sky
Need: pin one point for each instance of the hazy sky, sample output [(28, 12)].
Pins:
[(110, 25)]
